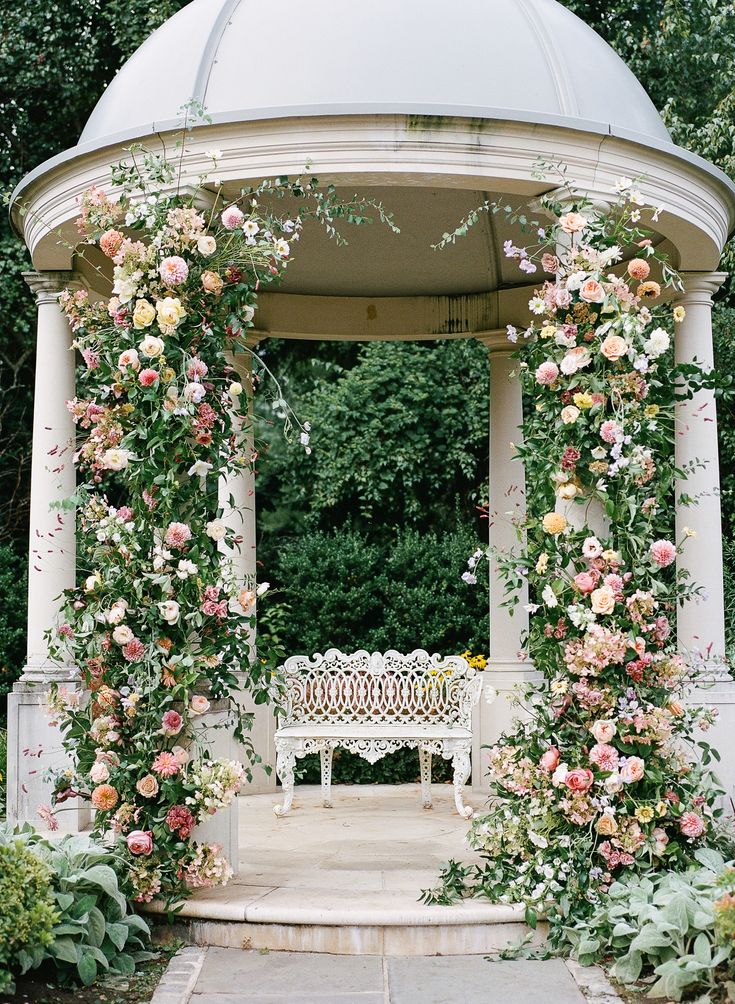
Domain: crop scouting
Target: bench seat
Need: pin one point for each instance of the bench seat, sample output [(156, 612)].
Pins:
[(373, 704)]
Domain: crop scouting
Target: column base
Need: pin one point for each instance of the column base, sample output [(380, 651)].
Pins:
[(490, 721), (34, 748), (214, 729)]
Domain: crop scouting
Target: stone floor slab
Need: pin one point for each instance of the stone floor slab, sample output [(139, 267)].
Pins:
[(230, 972), (473, 980)]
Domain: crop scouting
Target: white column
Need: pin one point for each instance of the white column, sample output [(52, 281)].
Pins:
[(701, 622), (34, 746), (241, 516), (508, 666)]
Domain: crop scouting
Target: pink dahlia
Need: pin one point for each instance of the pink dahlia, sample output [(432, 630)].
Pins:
[(604, 756), (173, 270), (148, 377), (547, 373), (110, 242), (232, 218), (177, 534), (171, 723), (134, 650), (609, 431), (180, 820), (166, 764), (692, 825), (663, 552)]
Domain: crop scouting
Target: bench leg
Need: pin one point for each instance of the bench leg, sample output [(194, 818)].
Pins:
[(462, 768), (325, 757), (285, 765), (425, 765)]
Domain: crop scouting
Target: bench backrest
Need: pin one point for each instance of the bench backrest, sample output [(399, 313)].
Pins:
[(377, 688)]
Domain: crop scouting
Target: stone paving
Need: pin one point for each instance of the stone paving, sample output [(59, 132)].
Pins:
[(232, 976)]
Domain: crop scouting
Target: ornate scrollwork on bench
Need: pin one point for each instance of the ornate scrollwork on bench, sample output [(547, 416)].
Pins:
[(373, 704)]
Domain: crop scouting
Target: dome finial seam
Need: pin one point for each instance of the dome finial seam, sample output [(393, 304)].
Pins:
[(209, 52)]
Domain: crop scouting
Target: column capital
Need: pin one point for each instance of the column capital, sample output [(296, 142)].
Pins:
[(495, 341), (47, 285), (700, 287)]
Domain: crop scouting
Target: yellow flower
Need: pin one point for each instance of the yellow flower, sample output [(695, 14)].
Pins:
[(554, 523), (688, 532), (644, 813), (583, 400), (144, 314), (661, 808), (651, 410), (611, 557), (542, 563), (168, 374), (170, 313), (679, 314), (548, 331)]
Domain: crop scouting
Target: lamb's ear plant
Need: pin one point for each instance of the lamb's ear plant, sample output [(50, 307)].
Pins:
[(671, 931), (94, 931)]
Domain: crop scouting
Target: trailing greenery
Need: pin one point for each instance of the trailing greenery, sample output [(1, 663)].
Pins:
[(85, 926), (13, 578), (27, 914)]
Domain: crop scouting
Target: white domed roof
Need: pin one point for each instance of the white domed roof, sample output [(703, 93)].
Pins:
[(530, 60)]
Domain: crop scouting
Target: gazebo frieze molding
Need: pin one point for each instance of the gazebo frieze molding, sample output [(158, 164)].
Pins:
[(397, 150), (47, 285)]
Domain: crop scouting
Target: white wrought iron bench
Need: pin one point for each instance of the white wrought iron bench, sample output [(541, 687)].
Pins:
[(373, 705)]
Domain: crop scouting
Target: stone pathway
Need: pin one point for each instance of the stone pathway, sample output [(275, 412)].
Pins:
[(233, 976)]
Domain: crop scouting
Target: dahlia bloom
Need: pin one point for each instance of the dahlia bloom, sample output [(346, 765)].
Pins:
[(663, 553), (547, 373), (173, 270), (104, 797), (692, 825), (166, 764), (177, 535), (232, 218)]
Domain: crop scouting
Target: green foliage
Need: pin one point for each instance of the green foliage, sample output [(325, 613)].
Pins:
[(13, 573), (93, 931), (396, 439), (664, 928), (3, 770), (346, 591), (27, 914)]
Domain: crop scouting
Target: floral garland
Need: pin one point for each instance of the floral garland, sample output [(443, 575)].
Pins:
[(160, 627), (596, 781)]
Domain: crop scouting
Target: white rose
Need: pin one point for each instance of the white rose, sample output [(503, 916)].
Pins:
[(116, 613), (125, 288), (216, 529), (235, 389), (151, 346), (91, 582), (115, 459), (248, 313), (570, 414), (195, 392), (559, 775), (206, 246), (567, 491), (169, 611), (186, 568), (122, 634)]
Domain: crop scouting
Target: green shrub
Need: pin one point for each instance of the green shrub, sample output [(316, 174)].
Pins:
[(3, 770), (13, 588), (94, 931), (663, 928), (347, 592), (27, 914)]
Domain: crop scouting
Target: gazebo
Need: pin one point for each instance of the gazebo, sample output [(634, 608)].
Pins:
[(431, 112)]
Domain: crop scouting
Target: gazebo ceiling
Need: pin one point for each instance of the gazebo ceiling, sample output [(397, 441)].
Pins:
[(527, 60)]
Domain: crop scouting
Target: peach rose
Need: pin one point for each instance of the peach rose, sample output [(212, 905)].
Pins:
[(632, 770), (212, 283), (554, 523), (603, 600), (604, 730), (572, 223), (591, 291), (198, 704), (147, 786), (614, 347), (606, 825), (579, 779)]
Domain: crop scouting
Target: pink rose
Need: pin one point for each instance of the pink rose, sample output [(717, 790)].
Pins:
[(579, 779), (550, 759), (663, 552), (692, 825), (140, 842), (148, 377), (99, 773), (614, 347), (585, 582), (604, 730), (198, 704), (660, 838), (592, 291), (171, 723), (572, 223), (547, 373)]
